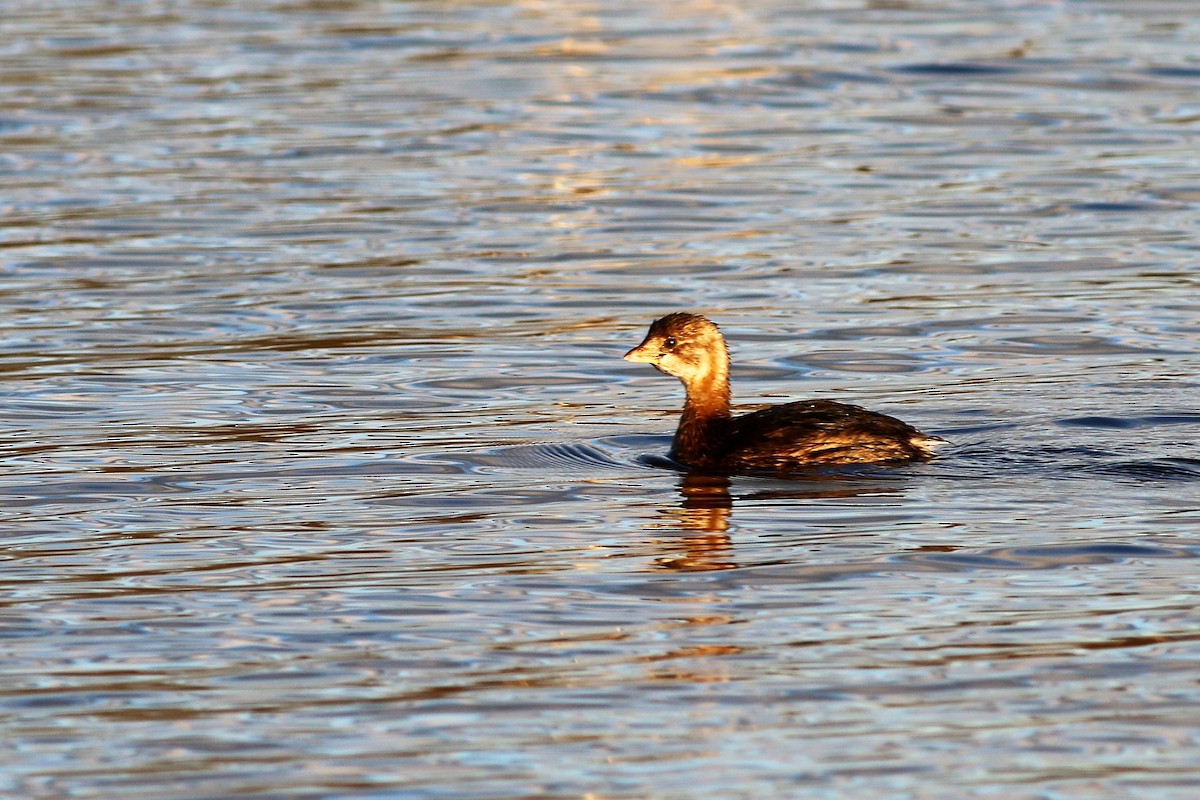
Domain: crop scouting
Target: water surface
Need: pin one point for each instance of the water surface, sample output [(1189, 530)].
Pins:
[(324, 476)]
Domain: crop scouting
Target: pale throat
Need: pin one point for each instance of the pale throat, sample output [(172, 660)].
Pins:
[(708, 387)]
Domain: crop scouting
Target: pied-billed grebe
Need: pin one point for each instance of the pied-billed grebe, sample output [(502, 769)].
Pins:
[(777, 438)]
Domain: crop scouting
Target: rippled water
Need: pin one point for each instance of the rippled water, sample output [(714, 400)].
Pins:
[(324, 476)]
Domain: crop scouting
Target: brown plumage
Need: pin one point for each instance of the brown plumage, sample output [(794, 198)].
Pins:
[(775, 439)]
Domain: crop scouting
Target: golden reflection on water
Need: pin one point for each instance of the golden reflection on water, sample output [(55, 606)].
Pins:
[(705, 515), (703, 519)]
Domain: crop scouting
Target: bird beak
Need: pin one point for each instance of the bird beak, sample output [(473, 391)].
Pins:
[(641, 354)]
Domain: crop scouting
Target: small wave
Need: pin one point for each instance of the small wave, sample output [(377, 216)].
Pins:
[(1105, 550), (955, 68), (1172, 469), (619, 452), (1043, 556), (1096, 422), (1125, 423)]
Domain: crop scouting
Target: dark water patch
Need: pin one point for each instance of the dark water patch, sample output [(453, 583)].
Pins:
[(1151, 470), (956, 69), (852, 47), (1174, 72), (1097, 422), (1171, 419), (1128, 423), (1114, 550), (1123, 206)]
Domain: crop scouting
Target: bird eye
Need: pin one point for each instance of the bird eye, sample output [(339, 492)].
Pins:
[(670, 342)]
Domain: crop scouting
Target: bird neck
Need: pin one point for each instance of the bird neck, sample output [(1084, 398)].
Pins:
[(704, 424)]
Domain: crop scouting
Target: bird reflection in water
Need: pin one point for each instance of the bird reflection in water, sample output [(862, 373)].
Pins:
[(704, 516)]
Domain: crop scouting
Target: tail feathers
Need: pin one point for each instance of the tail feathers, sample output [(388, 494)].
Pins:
[(928, 444)]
